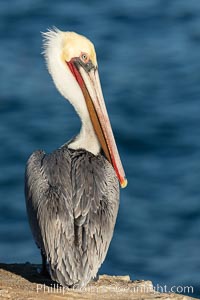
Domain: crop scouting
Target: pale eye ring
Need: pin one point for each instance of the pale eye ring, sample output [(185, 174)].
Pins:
[(84, 57)]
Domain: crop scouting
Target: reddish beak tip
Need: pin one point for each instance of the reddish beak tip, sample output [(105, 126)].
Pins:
[(124, 183)]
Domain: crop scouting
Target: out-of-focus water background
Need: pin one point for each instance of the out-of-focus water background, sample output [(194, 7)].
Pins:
[(149, 61)]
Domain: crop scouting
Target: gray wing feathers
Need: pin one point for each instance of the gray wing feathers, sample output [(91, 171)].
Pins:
[(72, 203), (34, 190)]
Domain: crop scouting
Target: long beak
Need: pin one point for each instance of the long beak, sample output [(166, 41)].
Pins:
[(91, 88)]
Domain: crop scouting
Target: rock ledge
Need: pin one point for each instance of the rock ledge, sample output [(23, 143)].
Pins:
[(22, 281)]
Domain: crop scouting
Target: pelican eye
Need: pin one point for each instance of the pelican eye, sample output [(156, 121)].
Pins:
[(84, 57)]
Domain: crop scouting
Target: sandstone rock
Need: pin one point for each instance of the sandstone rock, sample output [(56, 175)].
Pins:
[(23, 282)]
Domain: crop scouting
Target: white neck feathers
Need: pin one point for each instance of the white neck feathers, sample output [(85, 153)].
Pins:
[(69, 88)]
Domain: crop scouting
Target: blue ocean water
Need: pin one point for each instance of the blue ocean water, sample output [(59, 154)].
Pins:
[(149, 61)]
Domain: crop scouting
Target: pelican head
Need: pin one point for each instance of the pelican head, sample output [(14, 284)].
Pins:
[(71, 61)]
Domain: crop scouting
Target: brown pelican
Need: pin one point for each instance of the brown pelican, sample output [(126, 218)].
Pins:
[(72, 194)]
